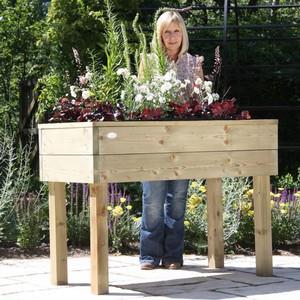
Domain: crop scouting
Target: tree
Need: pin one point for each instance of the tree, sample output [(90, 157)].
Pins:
[(20, 28)]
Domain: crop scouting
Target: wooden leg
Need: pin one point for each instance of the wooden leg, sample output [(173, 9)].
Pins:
[(99, 238), (58, 233), (262, 224), (215, 223)]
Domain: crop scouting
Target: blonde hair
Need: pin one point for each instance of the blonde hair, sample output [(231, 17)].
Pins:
[(165, 20)]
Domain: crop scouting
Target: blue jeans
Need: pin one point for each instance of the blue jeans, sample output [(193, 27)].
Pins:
[(162, 228)]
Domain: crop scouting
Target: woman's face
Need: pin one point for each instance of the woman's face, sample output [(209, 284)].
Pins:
[(172, 38)]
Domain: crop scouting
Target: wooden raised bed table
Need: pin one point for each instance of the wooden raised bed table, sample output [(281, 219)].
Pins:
[(102, 152)]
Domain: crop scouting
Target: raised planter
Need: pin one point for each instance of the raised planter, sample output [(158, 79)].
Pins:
[(103, 152)]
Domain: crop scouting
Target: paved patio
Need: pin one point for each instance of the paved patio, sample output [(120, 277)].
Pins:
[(24, 279)]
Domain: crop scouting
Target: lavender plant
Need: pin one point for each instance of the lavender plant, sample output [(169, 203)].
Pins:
[(32, 218), (19, 207), (78, 214)]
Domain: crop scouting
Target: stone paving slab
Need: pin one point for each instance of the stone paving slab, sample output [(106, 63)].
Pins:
[(24, 279), (185, 286), (283, 290)]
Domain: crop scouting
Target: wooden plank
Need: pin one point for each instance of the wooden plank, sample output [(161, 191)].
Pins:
[(174, 138), (66, 141), (215, 223), (67, 168), (260, 122), (68, 125), (58, 233), (262, 224), (99, 238), (138, 167), (160, 137)]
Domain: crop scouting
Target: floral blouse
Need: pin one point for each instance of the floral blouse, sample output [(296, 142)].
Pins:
[(188, 67)]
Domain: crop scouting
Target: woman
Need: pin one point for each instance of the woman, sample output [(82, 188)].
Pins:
[(162, 230)]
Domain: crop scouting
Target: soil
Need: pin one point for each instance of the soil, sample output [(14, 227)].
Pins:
[(41, 251), (44, 250), (287, 249)]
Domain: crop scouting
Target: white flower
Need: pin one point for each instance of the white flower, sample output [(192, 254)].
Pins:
[(198, 81), (209, 99), (138, 98), (196, 90), (166, 87), (215, 96), (85, 94), (161, 100), (88, 76), (186, 82), (150, 97), (83, 80), (144, 89), (207, 86), (169, 75), (124, 72), (73, 89)]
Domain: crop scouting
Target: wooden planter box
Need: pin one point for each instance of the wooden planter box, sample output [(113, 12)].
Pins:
[(103, 152)]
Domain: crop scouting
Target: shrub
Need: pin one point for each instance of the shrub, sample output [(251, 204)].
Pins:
[(20, 209), (32, 219), (123, 226), (196, 213), (285, 211)]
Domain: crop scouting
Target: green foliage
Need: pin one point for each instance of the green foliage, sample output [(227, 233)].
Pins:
[(20, 27), (32, 219), (285, 222), (288, 181), (76, 24), (14, 181), (110, 84), (22, 213), (79, 228), (123, 226), (196, 213), (285, 214), (51, 87), (196, 218), (78, 215), (34, 44)]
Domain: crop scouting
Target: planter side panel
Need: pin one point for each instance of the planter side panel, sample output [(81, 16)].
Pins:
[(67, 168), (66, 153), (186, 137), (139, 167), (136, 151), (68, 141)]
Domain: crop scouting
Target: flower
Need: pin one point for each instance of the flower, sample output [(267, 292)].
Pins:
[(122, 199), (161, 97), (117, 211), (187, 223), (123, 72), (194, 184)]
